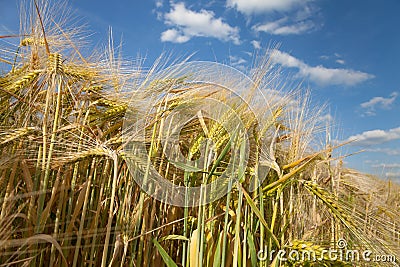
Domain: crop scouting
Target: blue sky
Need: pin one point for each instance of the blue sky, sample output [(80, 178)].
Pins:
[(346, 52)]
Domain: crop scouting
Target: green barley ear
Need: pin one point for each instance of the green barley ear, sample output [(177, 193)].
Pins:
[(334, 207)]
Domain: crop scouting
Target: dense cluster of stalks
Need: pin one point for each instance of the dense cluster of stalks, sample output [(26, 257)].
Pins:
[(68, 197)]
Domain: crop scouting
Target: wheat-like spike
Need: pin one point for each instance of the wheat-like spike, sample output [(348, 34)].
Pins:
[(293, 151), (24, 81), (196, 146), (168, 83), (109, 103), (28, 41), (15, 134), (79, 72), (331, 202), (79, 156), (213, 133), (7, 80), (221, 141), (3, 81), (217, 132), (117, 110), (92, 88), (17, 71), (54, 63)]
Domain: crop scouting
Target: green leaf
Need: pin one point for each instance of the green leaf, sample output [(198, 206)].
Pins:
[(252, 249), (217, 254), (258, 214), (186, 167), (167, 259)]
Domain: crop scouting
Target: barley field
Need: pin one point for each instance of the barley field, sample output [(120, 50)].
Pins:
[(82, 134)]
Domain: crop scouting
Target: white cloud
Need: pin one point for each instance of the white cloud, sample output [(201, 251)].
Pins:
[(375, 137), (336, 56), (256, 44), (340, 61), (320, 74), (387, 151), (387, 165), (250, 54), (284, 27), (172, 35), (393, 174), (188, 24), (249, 7), (159, 4), (238, 63), (378, 102), (234, 60), (331, 76), (326, 118), (157, 10), (287, 60)]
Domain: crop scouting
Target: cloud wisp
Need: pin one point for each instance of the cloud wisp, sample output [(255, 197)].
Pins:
[(387, 151), (340, 61), (284, 26), (187, 24), (387, 165), (320, 74), (378, 102), (393, 175), (249, 7), (374, 137), (256, 44)]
